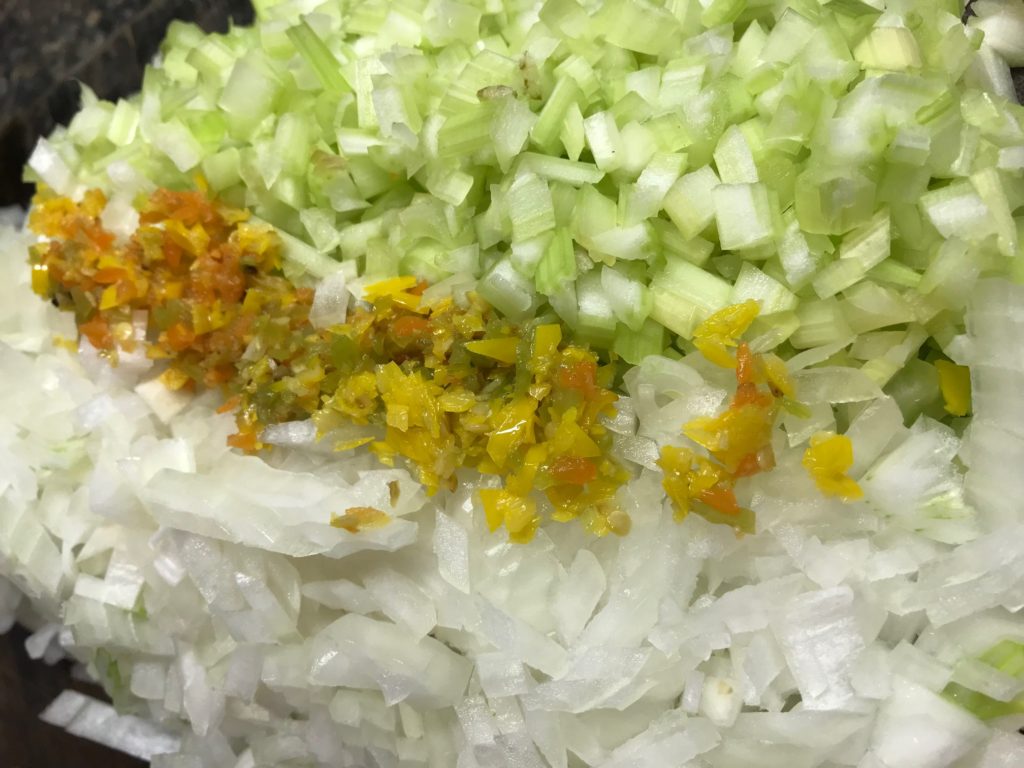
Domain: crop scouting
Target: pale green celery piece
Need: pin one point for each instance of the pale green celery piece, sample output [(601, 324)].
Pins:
[(572, 135), (861, 249), (988, 184), (684, 295), (124, 123), (821, 322), (565, 16), (321, 226), (644, 199), (668, 133), (557, 265), (486, 69), (637, 147), (424, 262), (744, 216), (507, 290), (466, 133), (695, 250), (868, 306), (510, 129), (529, 205), (629, 298), (318, 56), (911, 146), (747, 55), (355, 238), (212, 59), (889, 48), (222, 169), (631, 106), (595, 213), (451, 22), (177, 142), (875, 344), (788, 37), (249, 94), (637, 25), (914, 386), (952, 273), (595, 320), (832, 201), (752, 283), (690, 203), (563, 302), (894, 273), (451, 186), (733, 158), (381, 258), (578, 68), (545, 132), (560, 169), (798, 261), (304, 256), (633, 346), (630, 243), (92, 121), (527, 254), (722, 12), (681, 82), (769, 331), (604, 140), (902, 183), (957, 210)]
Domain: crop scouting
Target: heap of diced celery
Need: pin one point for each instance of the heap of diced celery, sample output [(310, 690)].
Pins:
[(634, 166)]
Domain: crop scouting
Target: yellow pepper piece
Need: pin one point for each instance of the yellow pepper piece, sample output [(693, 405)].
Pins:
[(41, 280), (721, 332), (955, 383), (545, 346), (828, 458), (109, 298), (502, 350), (513, 426), (777, 373), (517, 513), (389, 287)]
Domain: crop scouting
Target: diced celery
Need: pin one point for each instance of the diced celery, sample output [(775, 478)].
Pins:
[(733, 158), (507, 291), (752, 283), (860, 250), (546, 130), (888, 48), (560, 169), (530, 209), (319, 57), (821, 322), (630, 299), (595, 320), (634, 345), (637, 25), (690, 201), (744, 216), (604, 140), (683, 295)]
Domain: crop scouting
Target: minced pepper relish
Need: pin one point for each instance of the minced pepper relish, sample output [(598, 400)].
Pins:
[(442, 383)]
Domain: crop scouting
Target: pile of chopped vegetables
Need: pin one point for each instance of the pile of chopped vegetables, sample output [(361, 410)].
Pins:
[(451, 384), (371, 296)]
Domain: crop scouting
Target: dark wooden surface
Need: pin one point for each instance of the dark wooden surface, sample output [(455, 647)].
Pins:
[(48, 46), (26, 688)]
